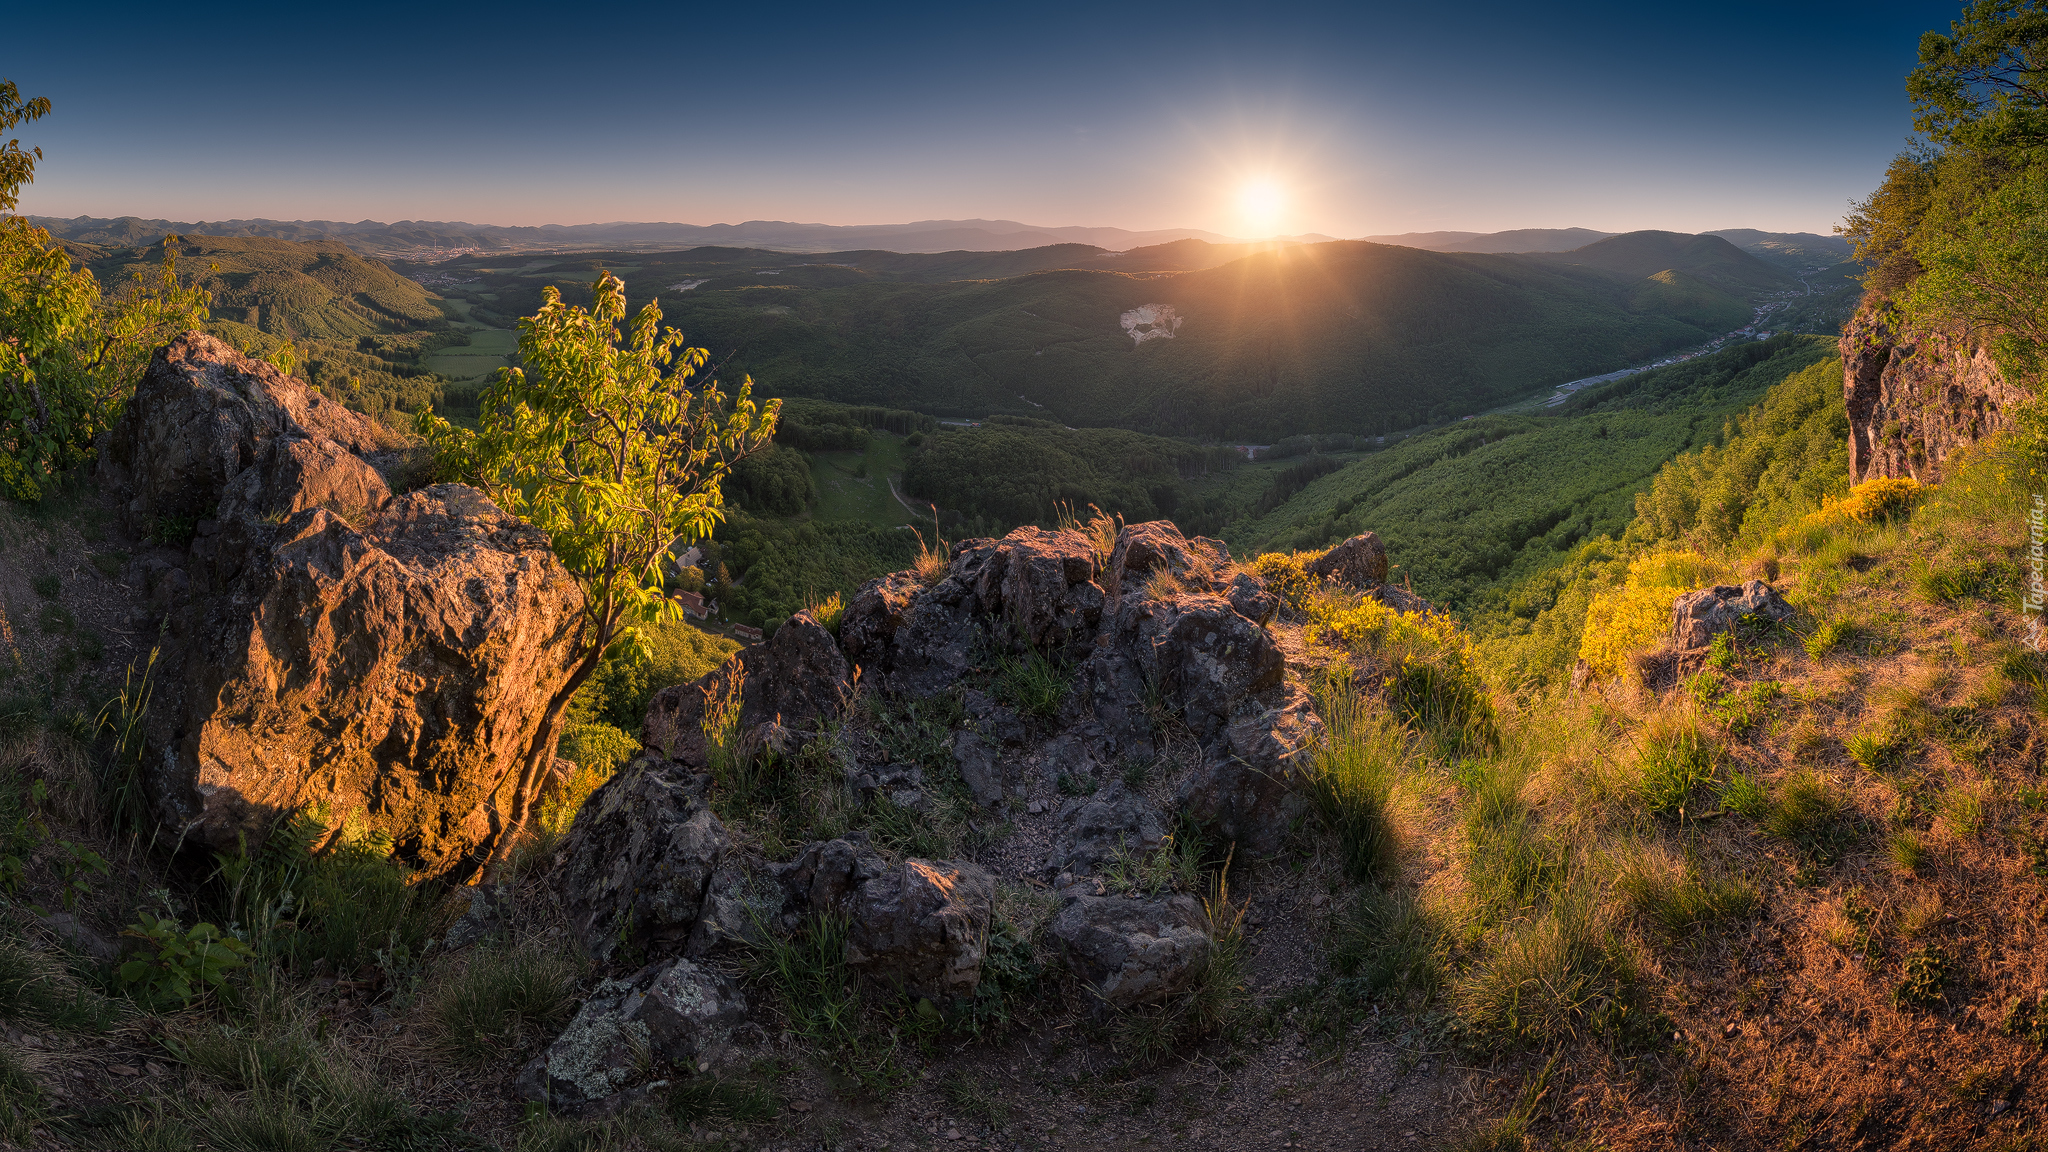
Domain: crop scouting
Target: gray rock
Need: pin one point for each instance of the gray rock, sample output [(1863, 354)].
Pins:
[(1697, 617), (1360, 562), (1247, 792), (1158, 545), (998, 723), (826, 873), (76, 936), (981, 766), (1134, 951), (923, 925), (741, 902), (1095, 828), (675, 1013), (484, 919), (1251, 599), (639, 858), (787, 687)]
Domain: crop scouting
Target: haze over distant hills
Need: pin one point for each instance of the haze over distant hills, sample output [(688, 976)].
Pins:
[(417, 238), (1792, 249)]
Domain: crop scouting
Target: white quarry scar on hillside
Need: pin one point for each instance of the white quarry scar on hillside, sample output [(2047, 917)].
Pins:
[(1147, 321)]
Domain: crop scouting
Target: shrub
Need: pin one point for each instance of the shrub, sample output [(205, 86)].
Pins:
[(1286, 576), (1623, 621), (1432, 671), (178, 964), (1883, 499)]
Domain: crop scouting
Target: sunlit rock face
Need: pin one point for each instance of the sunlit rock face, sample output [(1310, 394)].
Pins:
[(383, 658), (1915, 398), (1150, 322)]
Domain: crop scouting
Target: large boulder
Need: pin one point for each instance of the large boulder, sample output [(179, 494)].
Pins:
[(1360, 562), (676, 1013), (1697, 617), (1157, 545), (1133, 952), (923, 925), (638, 860), (388, 658), (1203, 657), (790, 686)]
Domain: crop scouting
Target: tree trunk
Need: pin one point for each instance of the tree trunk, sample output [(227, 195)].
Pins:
[(536, 765)]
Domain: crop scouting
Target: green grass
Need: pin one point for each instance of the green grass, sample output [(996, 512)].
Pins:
[(488, 350), (855, 485), (1352, 778), (503, 1000), (1677, 759)]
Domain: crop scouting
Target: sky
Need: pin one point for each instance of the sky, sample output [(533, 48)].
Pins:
[(1248, 120)]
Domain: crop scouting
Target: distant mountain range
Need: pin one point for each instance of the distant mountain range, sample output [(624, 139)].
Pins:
[(422, 239), (1803, 250)]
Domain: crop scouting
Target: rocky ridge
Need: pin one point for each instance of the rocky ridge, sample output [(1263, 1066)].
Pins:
[(1179, 715)]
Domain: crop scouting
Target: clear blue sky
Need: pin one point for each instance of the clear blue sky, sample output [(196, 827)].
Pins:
[(1367, 118)]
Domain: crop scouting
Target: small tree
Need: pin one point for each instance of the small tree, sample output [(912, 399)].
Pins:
[(608, 449), (69, 355)]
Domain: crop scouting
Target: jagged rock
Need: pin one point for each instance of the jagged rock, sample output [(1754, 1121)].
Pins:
[(203, 413), (389, 658), (826, 873), (997, 723), (639, 858), (787, 687), (921, 923), (1250, 598), (924, 925), (673, 1013), (980, 766), (742, 900), (482, 919), (1134, 952), (1046, 590), (1360, 562), (1247, 794), (1158, 544), (1203, 657), (899, 784), (1915, 397), (868, 626), (1096, 828), (1697, 616)]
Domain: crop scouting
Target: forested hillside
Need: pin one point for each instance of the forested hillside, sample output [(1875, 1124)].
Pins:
[(356, 328), (1348, 337)]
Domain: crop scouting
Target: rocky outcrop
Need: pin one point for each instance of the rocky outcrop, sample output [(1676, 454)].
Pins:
[(638, 861), (1916, 397), (1360, 562), (786, 689), (1697, 617), (674, 1013), (1133, 952), (385, 656)]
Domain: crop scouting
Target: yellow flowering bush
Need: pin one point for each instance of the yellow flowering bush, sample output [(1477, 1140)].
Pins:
[(1623, 621)]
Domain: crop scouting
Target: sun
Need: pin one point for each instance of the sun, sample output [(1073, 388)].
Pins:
[(1261, 203)]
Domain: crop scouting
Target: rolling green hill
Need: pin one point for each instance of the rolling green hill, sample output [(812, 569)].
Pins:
[(362, 331), (1478, 507), (1709, 259)]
